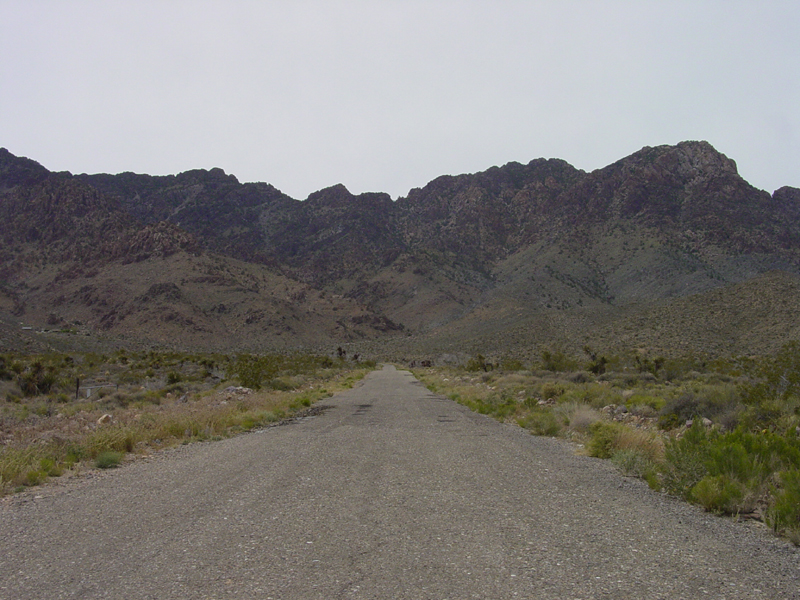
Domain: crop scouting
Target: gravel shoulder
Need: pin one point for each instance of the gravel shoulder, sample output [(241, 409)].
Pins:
[(391, 492)]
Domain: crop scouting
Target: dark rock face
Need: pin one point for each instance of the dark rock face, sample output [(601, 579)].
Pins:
[(687, 189), (55, 218)]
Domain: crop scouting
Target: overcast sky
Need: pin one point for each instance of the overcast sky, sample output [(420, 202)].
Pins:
[(386, 95)]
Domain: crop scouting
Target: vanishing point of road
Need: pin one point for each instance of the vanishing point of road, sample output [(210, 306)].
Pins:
[(391, 493)]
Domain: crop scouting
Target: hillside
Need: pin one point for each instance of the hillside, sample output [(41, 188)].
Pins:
[(668, 248)]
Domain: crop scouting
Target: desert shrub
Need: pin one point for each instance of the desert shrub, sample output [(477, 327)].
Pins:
[(121, 399), (50, 466), (144, 397), (37, 378), (682, 368), (579, 377), (784, 513), (33, 464), (603, 440), (680, 409), (597, 364), (608, 438), (477, 363), (685, 461), (557, 361), (259, 419), (582, 417), (501, 407), (596, 395), (775, 393), (637, 400), (781, 374), (643, 410), (761, 413), (300, 402), (646, 442), (635, 463), (739, 465), (541, 422), (552, 390), (108, 459), (511, 364), (718, 493), (5, 368), (711, 402), (280, 385), (647, 364), (252, 370)]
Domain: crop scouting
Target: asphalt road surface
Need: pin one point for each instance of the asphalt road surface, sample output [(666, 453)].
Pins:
[(391, 493)]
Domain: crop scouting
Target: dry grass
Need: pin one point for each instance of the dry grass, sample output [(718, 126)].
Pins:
[(647, 443), (581, 417), (42, 438)]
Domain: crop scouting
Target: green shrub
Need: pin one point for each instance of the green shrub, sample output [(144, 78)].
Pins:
[(634, 463), (645, 364), (718, 493), (717, 403), (300, 402), (552, 390), (37, 378), (784, 514), (478, 363), (556, 360), (511, 365), (50, 467), (541, 422), (595, 395), (736, 465), (603, 440), (108, 459), (638, 399), (685, 461), (280, 385)]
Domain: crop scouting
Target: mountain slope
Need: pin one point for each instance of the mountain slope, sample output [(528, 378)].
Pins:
[(516, 256)]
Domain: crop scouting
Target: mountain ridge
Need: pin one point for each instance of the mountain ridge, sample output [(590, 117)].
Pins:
[(536, 240)]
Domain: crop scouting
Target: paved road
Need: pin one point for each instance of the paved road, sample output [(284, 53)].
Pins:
[(392, 493)]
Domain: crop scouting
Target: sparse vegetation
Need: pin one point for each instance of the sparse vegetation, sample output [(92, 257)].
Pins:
[(98, 408), (724, 433)]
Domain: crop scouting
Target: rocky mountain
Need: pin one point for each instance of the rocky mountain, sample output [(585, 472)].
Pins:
[(507, 260)]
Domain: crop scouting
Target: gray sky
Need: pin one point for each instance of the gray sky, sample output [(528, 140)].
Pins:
[(386, 95)]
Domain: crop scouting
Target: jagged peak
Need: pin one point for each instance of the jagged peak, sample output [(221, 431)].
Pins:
[(331, 194), (339, 196), (18, 170), (787, 194), (214, 175), (687, 160)]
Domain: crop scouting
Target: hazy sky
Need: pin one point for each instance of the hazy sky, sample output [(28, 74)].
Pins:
[(386, 95)]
